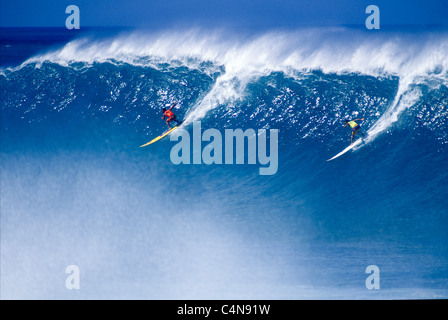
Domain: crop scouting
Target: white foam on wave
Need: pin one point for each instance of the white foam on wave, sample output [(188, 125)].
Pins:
[(409, 56), (330, 50)]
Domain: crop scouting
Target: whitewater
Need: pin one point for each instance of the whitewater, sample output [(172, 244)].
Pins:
[(76, 189)]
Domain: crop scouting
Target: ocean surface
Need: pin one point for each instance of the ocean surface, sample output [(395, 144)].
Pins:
[(76, 189)]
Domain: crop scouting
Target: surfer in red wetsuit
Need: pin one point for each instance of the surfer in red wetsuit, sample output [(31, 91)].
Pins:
[(170, 115)]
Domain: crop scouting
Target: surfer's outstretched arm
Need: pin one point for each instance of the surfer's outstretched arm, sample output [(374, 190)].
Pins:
[(172, 106)]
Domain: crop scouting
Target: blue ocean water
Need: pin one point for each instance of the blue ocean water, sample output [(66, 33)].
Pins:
[(76, 189)]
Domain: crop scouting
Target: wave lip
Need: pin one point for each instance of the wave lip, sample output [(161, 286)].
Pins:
[(327, 49)]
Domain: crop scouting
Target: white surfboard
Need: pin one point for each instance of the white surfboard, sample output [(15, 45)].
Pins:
[(357, 142)]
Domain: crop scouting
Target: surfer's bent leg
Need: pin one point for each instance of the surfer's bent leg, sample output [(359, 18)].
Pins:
[(362, 133), (174, 118)]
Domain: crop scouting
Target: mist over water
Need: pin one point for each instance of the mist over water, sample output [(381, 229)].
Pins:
[(77, 189)]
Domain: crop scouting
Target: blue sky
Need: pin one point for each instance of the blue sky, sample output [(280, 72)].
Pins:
[(255, 14)]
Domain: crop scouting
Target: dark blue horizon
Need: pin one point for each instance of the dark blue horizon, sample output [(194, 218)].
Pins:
[(245, 14)]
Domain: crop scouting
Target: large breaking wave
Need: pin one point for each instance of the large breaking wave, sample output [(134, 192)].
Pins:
[(73, 118)]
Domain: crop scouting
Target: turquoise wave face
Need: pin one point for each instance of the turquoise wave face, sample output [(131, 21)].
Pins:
[(110, 98), (77, 189)]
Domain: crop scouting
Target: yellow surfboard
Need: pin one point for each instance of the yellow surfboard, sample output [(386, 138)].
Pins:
[(159, 137)]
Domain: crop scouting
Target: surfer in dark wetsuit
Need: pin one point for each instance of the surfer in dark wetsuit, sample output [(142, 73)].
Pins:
[(356, 128), (170, 115)]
